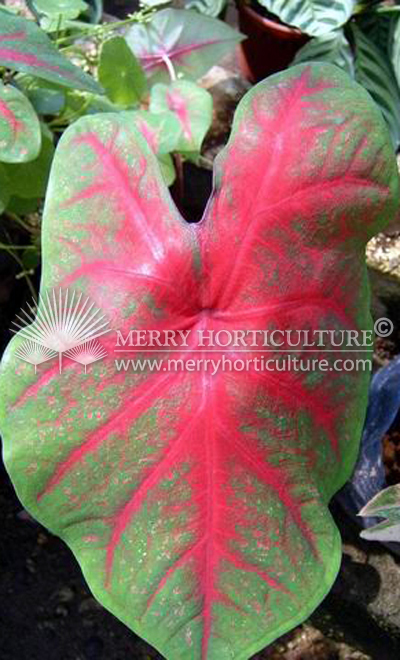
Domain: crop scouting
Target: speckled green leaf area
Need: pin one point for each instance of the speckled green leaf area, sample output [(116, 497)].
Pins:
[(196, 500)]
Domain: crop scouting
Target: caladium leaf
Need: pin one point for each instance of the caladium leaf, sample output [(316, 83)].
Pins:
[(20, 134), (120, 73), (162, 130), (332, 47), (374, 72), (385, 504), (313, 17), (196, 504), (183, 39), (192, 106), (25, 47)]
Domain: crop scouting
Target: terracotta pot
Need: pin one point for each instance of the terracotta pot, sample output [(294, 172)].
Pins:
[(270, 46)]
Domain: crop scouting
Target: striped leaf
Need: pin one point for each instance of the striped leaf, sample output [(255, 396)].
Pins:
[(313, 17), (332, 48), (375, 73), (394, 47), (207, 7), (377, 27)]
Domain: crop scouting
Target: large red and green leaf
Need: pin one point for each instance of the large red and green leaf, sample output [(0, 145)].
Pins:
[(20, 134), (25, 47), (182, 39), (196, 503)]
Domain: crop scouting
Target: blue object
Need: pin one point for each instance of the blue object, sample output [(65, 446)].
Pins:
[(369, 473)]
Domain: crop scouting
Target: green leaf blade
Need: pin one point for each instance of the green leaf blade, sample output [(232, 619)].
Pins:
[(121, 74)]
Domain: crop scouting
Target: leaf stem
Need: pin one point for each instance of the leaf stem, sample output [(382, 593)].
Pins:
[(94, 31), (168, 63)]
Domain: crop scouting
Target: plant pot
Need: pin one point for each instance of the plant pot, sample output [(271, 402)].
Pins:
[(270, 46)]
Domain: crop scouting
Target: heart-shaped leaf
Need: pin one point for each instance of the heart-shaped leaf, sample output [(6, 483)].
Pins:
[(20, 135), (313, 17), (25, 47), (191, 43), (192, 106), (120, 73), (196, 503), (332, 47)]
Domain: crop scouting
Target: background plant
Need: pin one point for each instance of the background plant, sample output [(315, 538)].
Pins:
[(63, 64), (363, 38)]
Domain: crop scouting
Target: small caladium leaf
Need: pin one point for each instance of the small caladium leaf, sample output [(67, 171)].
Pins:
[(29, 180), (385, 504), (374, 72), (20, 134), (162, 130), (196, 503), (4, 189), (192, 106), (313, 17), (332, 48), (25, 47), (120, 73), (183, 39)]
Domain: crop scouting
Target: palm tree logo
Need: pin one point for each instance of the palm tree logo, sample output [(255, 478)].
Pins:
[(62, 324)]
